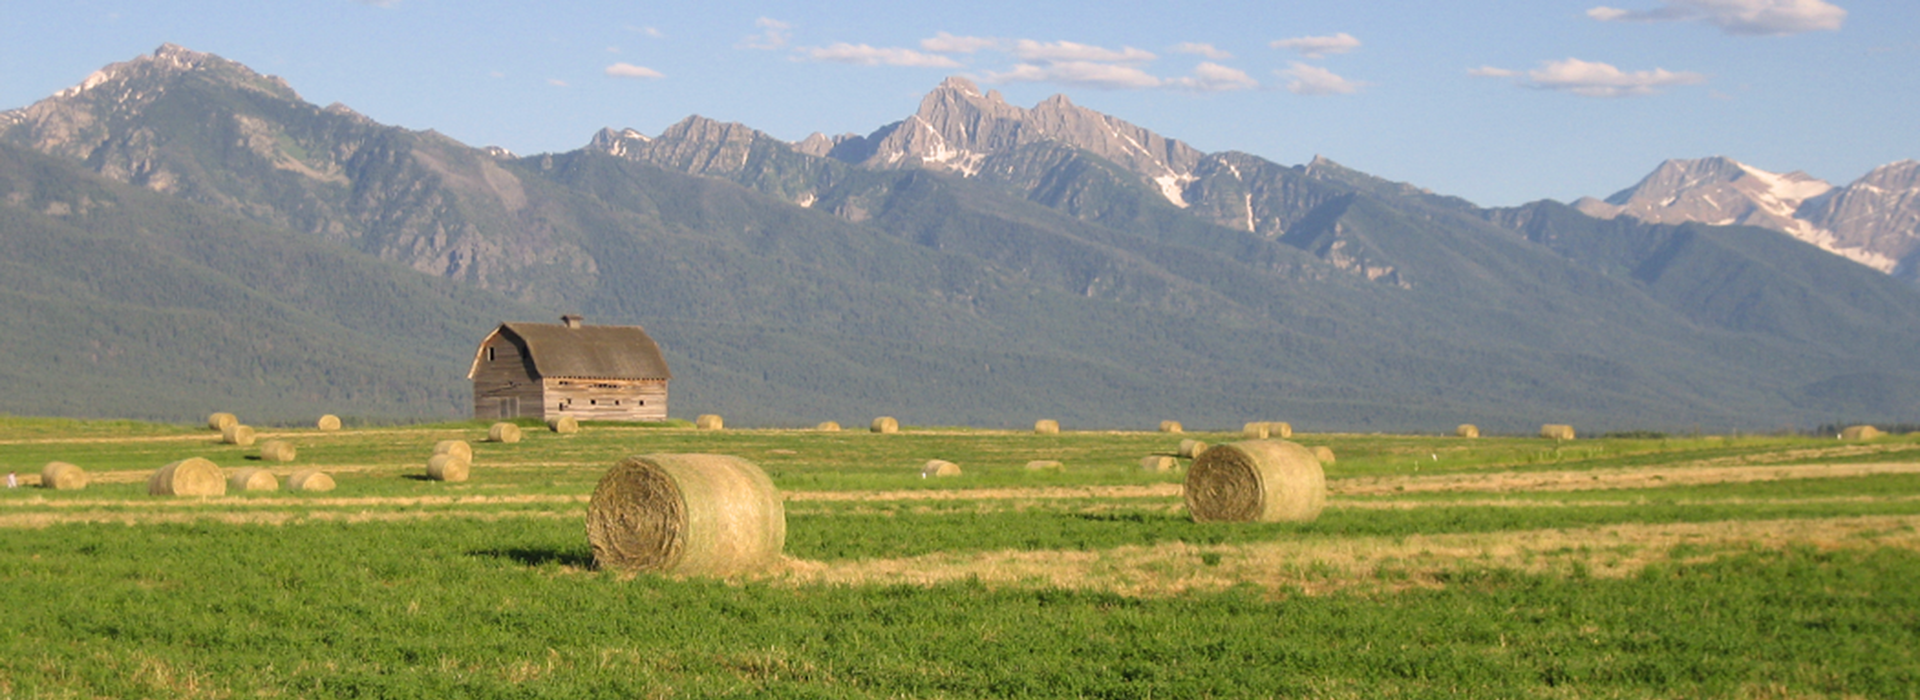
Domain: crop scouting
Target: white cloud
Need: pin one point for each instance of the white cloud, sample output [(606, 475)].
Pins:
[(1314, 80), (1741, 17), (1200, 49), (1213, 77), (773, 35), (556, 82), (628, 70), (649, 31), (1082, 73), (1593, 79), (943, 42), (1492, 72), (1319, 46), (862, 54), (1067, 51)]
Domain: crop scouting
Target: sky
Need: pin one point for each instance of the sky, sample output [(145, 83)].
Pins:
[(1498, 101)]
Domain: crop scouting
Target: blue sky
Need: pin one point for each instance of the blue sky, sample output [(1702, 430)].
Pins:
[(1500, 102)]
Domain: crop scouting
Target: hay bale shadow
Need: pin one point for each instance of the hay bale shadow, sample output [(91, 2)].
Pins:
[(539, 556)]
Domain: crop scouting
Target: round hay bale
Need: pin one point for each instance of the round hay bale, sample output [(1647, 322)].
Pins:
[(1279, 429), (1255, 431), (1324, 454), (1191, 448), (710, 515), (237, 434), (448, 468), (277, 451), (310, 480), (1256, 481), (220, 421), (1467, 430), (1046, 426), (827, 427), (328, 423), (939, 467), (1859, 432), (1170, 426), (885, 424), (1158, 463), (192, 476), (252, 479), (710, 421), (1556, 431), (1046, 465), (61, 476), (565, 425), (503, 432), (457, 448)]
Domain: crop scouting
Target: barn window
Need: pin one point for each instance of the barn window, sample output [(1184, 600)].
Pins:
[(593, 402), (489, 353)]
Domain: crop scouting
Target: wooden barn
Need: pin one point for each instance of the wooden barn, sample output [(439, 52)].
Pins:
[(547, 370)]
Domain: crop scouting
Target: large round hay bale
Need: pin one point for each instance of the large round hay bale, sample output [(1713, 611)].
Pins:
[(565, 425), (1467, 430), (1279, 429), (1171, 426), (1191, 448), (310, 480), (1256, 481), (220, 421), (448, 468), (1556, 431), (277, 451), (1859, 432), (885, 424), (457, 448), (1046, 426), (503, 432), (328, 423), (61, 476), (237, 434), (252, 479), (710, 421), (686, 514), (1257, 430), (1046, 465), (827, 427), (1324, 454), (192, 476), (939, 467), (1158, 463)]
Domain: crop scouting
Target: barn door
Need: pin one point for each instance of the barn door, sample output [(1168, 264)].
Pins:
[(510, 407)]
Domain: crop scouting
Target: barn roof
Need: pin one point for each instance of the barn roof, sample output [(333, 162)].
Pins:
[(588, 352)]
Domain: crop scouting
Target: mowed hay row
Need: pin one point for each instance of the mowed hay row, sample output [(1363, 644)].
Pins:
[(1324, 454), (709, 421), (1046, 465), (328, 423), (1046, 426), (277, 451), (252, 479), (1256, 481), (450, 468), (1556, 431), (564, 425), (885, 424), (939, 467), (1159, 464), (503, 433), (690, 514), (457, 448), (237, 434), (1467, 430), (193, 476), (1860, 432), (827, 427), (1171, 426), (310, 480), (1190, 448), (220, 421), (61, 476)]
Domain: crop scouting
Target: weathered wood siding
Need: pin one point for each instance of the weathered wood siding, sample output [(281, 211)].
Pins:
[(606, 399), (504, 385)]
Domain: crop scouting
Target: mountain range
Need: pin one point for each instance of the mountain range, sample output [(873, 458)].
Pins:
[(187, 234)]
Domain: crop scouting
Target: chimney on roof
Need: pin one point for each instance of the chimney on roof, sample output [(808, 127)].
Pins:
[(572, 320)]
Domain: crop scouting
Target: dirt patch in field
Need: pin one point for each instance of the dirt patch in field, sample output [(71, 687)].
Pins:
[(1600, 479), (1321, 565)]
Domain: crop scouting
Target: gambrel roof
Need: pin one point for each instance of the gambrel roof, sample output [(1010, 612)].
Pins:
[(582, 351)]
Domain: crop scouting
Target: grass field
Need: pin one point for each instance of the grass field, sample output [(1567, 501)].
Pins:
[(1764, 567)]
